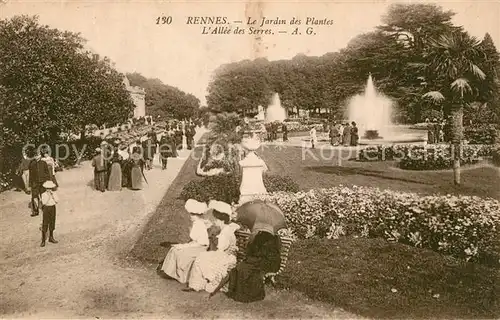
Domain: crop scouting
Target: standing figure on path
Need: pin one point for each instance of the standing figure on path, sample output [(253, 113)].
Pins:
[(189, 137), (154, 137), (210, 267), (334, 135), (262, 256), (347, 135), (180, 257), (431, 139), (340, 127), (39, 172), (24, 171), (136, 170), (284, 128), (354, 134), (115, 171), (49, 200), (100, 170), (124, 165), (151, 151), (178, 138), (314, 137), (165, 150), (51, 163)]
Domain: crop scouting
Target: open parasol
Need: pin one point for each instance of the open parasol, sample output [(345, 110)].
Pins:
[(261, 215)]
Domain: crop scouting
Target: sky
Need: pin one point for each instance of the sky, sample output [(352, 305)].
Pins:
[(180, 55)]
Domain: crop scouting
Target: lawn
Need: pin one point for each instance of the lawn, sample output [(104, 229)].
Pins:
[(378, 279), (369, 277), (322, 169)]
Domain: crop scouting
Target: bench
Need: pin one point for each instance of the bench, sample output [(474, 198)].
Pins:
[(242, 241)]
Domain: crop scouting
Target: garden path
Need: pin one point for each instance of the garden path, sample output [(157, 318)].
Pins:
[(87, 273)]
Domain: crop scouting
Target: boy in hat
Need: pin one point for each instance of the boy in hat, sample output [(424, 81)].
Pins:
[(49, 200)]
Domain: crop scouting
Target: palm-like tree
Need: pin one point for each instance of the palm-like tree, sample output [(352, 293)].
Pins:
[(453, 70)]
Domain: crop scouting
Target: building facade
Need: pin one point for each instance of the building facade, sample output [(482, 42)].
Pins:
[(138, 95)]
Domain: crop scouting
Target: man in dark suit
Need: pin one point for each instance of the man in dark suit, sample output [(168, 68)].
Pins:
[(38, 173)]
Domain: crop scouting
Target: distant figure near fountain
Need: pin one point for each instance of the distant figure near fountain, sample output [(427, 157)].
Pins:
[(275, 112), (371, 111)]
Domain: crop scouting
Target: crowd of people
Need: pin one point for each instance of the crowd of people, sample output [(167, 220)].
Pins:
[(343, 134), (115, 164), (208, 262), (118, 166), (438, 131)]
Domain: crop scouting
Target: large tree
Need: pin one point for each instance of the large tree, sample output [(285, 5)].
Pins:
[(51, 86), (163, 100)]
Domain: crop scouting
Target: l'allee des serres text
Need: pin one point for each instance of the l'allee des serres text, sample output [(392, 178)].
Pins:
[(263, 21)]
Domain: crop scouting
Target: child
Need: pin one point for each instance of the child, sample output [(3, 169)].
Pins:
[(49, 200)]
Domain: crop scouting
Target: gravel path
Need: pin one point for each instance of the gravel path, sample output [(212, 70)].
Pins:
[(87, 275)]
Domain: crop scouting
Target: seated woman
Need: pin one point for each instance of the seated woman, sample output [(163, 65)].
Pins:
[(246, 281), (180, 257), (210, 267)]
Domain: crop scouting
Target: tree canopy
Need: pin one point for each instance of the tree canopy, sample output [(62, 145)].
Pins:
[(396, 53), (164, 100), (51, 85)]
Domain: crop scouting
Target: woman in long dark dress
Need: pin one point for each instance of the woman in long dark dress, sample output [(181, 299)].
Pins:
[(354, 134), (136, 170), (246, 282)]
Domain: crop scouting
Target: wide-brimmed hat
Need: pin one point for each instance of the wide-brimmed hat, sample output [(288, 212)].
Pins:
[(49, 184), (195, 207), (221, 207)]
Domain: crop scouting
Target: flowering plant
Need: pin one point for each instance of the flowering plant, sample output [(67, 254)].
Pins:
[(463, 226), (420, 157)]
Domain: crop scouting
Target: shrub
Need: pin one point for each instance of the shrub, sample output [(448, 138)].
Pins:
[(6, 181), (484, 134), (226, 187), (466, 227)]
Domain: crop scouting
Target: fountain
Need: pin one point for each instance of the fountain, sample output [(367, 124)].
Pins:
[(275, 111), (372, 112)]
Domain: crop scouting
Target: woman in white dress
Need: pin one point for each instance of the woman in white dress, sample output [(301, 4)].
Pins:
[(314, 137), (180, 257), (210, 267)]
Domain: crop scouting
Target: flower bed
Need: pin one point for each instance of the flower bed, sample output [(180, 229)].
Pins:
[(428, 157), (466, 227)]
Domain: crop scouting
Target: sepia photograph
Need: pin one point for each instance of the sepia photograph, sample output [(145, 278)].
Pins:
[(259, 159)]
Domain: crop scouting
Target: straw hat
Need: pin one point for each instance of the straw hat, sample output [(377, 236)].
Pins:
[(220, 206), (49, 184), (195, 207)]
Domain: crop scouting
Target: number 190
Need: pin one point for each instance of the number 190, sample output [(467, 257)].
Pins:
[(164, 20)]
